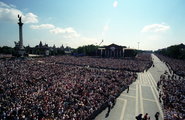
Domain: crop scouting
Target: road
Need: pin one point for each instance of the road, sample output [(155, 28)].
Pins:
[(142, 96)]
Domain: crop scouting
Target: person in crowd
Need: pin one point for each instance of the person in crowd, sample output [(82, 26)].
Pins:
[(110, 104), (127, 88), (145, 116), (157, 116), (139, 117)]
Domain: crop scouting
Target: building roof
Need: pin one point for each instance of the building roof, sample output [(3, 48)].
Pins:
[(112, 45)]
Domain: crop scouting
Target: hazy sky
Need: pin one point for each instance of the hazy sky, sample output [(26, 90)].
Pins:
[(154, 24)]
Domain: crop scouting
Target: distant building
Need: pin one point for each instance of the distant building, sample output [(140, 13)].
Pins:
[(130, 52), (112, 50), (62, 47), (40, 49), (116, 51), (45, 50), (182, 47), (68, 50)]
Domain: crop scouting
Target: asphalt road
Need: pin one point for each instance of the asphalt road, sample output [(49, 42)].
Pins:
[(142, 96)]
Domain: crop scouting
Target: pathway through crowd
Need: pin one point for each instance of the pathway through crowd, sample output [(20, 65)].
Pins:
[(143, 96)]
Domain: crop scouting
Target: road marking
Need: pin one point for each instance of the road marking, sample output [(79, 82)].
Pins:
[(152, 78), (158, 105), (151, 100), (141, 75), (132, 88), (136, 110), (141, 99), (123, 109), (142, 78), (154, 86), (149, 81), (144, 85), (139, 78), (128, 96), (146, 82), (156, 99)]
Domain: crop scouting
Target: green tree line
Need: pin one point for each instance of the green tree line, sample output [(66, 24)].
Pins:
[(6, 50), (89, 50), (175, 51)]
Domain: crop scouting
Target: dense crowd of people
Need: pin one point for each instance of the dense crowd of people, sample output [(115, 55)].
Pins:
[(178, 66), (172, 96), (76, 89), (43, 88), (4, 56), (138, 64)]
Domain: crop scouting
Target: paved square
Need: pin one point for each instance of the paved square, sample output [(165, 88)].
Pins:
[(142, 97)]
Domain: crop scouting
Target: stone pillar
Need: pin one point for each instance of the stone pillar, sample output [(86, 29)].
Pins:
[(123, 52), (117, 53), (20, 35), (21, 50), (105, 53), (109, 53)]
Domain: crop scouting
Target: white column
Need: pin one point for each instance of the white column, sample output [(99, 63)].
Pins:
[(123, 52)]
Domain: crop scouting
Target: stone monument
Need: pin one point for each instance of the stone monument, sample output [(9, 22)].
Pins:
[(20, 33), (19, 48)]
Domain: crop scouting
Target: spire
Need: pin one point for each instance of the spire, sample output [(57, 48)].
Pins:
[(54, 46), (40, 44)]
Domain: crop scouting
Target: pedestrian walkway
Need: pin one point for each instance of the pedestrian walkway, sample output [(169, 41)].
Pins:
[(142, 96)]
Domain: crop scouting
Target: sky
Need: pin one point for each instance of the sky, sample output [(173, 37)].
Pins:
[(143, 24)]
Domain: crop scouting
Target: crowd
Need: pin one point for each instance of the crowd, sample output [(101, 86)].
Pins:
[(147, 117), (42, 88), (172, 96), (178, 66), (3, 56), (138, 64)]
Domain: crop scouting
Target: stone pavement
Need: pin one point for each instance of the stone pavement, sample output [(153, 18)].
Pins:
[(142, 96)]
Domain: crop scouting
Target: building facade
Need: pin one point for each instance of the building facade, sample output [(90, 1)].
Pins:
[(112, 50)]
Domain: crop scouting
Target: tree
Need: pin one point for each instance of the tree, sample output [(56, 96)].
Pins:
[(6, 50), (175, 51), (89, 50)]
